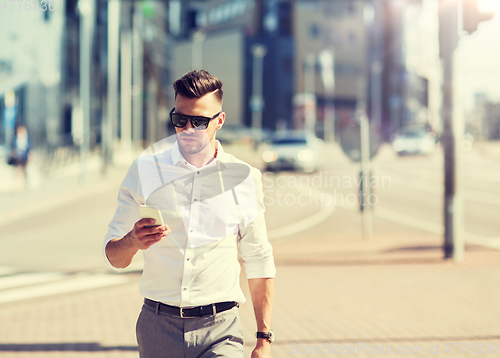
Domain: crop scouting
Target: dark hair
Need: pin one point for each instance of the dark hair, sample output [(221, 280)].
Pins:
[(197, 83)]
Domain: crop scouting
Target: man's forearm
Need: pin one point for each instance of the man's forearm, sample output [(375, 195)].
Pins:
[(262, 292), (120, 252)]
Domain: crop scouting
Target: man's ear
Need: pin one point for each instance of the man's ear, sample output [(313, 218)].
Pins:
[(221, 120)]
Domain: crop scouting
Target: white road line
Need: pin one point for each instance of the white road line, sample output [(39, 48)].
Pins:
[(64, 286), (303, 224), (26, 279), (7, 270), (408, 220), (491, 242), (438, 189)]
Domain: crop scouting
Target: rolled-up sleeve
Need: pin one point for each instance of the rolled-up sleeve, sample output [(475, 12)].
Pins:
[(254, 247), (127, 210)]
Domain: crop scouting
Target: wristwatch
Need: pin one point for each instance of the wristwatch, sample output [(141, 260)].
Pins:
[(267, 335)]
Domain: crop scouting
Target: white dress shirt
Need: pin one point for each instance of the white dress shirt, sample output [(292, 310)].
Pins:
[(212, 212)]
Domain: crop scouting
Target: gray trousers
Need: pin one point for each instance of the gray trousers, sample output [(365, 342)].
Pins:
[(160, 335)]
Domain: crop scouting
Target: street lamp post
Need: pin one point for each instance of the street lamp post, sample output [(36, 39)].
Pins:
[(257, 100), (86, 9), (137, 74), (126, 81), (364, 124), (110, 122)]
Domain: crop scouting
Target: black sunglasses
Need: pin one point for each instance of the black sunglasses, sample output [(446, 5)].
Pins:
[(198, 122)]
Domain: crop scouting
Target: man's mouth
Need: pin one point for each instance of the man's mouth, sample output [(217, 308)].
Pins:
[(188, 139)]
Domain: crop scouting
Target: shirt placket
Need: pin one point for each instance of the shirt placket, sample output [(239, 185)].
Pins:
[(191, 233)]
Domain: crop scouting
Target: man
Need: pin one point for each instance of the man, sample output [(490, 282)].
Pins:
[(212, 206)]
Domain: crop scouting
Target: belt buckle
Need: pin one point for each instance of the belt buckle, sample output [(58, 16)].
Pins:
[(181, 312)]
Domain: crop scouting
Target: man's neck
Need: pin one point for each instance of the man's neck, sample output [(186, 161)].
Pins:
[(206, 156)]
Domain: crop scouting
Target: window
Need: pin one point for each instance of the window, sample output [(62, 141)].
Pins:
[(314, 31)]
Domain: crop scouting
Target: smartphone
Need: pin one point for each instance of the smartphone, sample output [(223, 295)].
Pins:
[(148, 212)]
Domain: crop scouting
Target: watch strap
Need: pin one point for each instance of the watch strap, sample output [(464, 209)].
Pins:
[(266, 335), (263, 335)]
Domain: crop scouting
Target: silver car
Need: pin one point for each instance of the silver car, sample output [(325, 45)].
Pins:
[(414, 142), (293, 150)]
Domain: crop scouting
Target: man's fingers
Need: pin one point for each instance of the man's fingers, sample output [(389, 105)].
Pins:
[(145, 235), (152, 239), (155, 237), (152, 229), (157, 229), (145, 222)]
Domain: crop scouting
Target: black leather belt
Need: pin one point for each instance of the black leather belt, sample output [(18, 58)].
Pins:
[(199, 311)]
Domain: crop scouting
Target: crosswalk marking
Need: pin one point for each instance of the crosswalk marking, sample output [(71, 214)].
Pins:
[(21, 286)]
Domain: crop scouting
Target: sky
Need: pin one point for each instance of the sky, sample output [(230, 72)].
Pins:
[(480, 55)]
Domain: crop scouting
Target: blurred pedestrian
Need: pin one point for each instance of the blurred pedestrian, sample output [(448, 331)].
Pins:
[(212, 207), (20, 155)]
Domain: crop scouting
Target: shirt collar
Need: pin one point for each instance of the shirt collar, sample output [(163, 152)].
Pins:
[(177, 157)]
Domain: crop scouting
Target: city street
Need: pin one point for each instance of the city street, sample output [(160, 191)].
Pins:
[(365, 264)]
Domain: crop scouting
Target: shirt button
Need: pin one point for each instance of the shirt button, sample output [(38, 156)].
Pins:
[(187, 259), (195, 199), (190, 230), (184, 288)]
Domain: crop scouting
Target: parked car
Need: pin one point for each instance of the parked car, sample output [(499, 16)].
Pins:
[(414, 142), (293, 150)]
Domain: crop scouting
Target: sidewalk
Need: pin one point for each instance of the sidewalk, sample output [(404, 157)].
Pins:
[(334, 292), (417, 302), (489, 149)]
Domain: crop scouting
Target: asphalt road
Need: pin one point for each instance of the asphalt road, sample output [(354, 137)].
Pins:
[(407, 190)]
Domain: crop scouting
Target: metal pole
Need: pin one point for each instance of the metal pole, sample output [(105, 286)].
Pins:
[(197, 50), (152, 112), (365, 189), (257, 100), (126, 81), (376, 66), (327, 61), (111, 120), (376, 95), (137, 68), (310, 93), (86, 9), (450, 26), (365, 174)]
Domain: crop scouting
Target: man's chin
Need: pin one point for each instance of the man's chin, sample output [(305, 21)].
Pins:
[(190, 148)]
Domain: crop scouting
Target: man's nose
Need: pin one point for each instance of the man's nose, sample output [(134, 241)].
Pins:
[(188, 126)]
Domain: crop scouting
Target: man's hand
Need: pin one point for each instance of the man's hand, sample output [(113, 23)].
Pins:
[(143, 235), (262, 349), (120, 252)]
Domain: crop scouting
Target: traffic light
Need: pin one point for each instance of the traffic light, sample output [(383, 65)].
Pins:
[(472, 16)]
